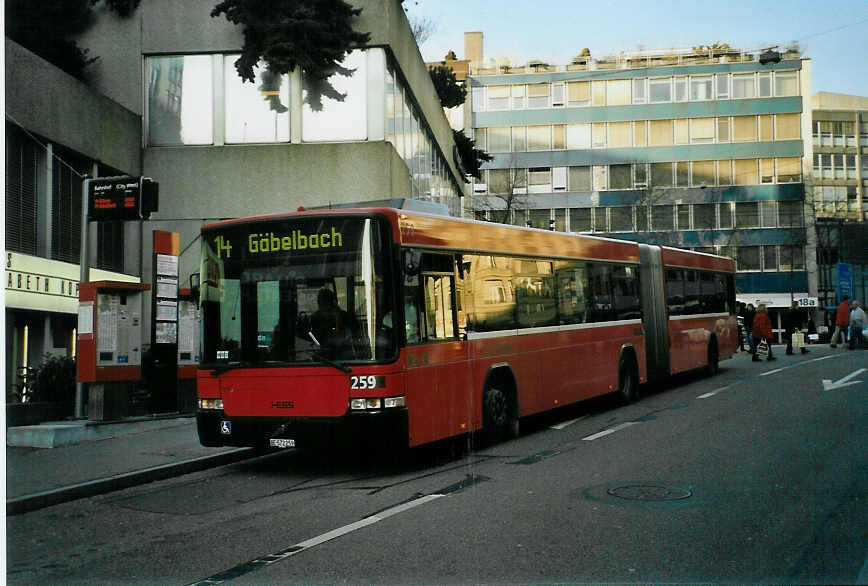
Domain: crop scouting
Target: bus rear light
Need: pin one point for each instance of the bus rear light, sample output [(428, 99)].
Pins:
[(211, 404)]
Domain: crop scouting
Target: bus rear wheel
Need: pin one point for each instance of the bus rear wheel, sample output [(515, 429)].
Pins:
[(712, 367), (628, 380), (498, 416)]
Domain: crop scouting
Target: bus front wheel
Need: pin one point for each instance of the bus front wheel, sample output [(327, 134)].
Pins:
[(499, 420)]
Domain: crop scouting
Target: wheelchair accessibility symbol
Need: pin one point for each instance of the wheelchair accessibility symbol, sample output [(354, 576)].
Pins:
[(226, 427)]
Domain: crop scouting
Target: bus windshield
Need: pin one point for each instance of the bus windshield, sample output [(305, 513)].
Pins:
[(297, 291)]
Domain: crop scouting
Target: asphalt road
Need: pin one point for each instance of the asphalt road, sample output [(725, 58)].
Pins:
[(759, 474)]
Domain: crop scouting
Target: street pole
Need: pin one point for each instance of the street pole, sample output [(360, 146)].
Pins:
[(82, 278)]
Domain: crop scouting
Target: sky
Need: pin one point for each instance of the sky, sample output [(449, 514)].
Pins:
[(833, 34)]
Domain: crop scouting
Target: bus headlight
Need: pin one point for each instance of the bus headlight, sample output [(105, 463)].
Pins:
[(373, 404), (216, 404), (390, 402)]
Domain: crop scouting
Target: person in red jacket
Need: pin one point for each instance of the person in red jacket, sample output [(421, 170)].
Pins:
[(842, 321), (762, 328)]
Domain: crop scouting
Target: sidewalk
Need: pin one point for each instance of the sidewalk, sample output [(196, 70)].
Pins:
[(94, 458)]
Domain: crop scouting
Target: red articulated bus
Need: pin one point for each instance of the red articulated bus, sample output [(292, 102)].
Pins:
[(387, 323)]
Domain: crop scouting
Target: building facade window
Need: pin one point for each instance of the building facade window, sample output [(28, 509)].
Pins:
[(180, 102)]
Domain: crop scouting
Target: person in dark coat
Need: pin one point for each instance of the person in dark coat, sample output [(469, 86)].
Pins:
[(792, 324), (749, 314)]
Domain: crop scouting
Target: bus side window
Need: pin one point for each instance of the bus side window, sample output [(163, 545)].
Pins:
[(411, 309), (675, 291), (439, 321)]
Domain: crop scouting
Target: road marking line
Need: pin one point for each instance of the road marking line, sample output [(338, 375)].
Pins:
[(591, 438), (828, 385), (712, 393), (566, 423), (777, 370), (273, 558)]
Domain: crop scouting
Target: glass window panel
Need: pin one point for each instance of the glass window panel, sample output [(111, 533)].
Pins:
[(519, 139), (539, 138), (640, 174), (498, 182), (477, 99), (539, 219), (700, 88), (680, 89), (661, 174), (598, 134), (724, 173), (539, 179), (743, 85), (662, 218), (786, 83), (557, 94), (639, 96), (498, 140), (787, 127), (722, 85), (580, 179), (748, 258), (682, 173), (600, 220), (620, 177), (747, 214), (599, 93), (703, 216), (767, 170), (682, 134), (769, 212), (703, 173), (578, 136), (498, 97), (660, 132), (766, 125), (641, 218), (640, 133), (789, 214), (620, 134), (340, 120), (725, 211), (745, 171), (518, 93), (683, 212), (702, 130), (560, 220), (601, 175), (559, 178), (618, 92), (578, 93), (744, 128), (770, 258), (621, 219), (538, 95), (580, 219), (723, 129), (559, 136), (660, 90), (258, 111), (180, 109), (764, 84)]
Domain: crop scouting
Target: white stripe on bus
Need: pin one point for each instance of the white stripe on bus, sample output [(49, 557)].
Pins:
[(550, 329)]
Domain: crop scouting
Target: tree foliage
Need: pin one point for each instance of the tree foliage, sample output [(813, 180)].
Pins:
[(471, 157), (47, 28), (54, 380), (450, 92), (313, 35)]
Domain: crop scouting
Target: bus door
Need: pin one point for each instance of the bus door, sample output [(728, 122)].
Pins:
[(438, 375), (654, 312)]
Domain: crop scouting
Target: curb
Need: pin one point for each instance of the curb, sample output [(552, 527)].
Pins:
[(40, 500)]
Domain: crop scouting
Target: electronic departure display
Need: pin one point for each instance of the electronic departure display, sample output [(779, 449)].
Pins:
[(122, 198)]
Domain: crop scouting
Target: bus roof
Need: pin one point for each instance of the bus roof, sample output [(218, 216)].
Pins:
[(436, 231)]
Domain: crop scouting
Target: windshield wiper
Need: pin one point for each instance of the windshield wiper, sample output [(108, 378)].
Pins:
[(324, 360)]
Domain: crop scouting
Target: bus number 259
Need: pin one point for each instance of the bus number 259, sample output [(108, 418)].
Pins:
[(361, 383)]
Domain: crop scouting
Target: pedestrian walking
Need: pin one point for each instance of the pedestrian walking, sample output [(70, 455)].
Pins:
[(793, 326), (842, 320), (858, 322), (762, 331), (742, 329), (749, 314)]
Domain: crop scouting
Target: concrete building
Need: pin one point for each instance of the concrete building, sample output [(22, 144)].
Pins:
[(704, 148), (164, 101), (839, 191)]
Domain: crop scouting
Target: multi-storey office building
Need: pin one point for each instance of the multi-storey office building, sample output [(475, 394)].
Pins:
[(700, 149), (165, 101), (839, 191)]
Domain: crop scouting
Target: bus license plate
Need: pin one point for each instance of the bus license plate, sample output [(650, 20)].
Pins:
[(279, 442)]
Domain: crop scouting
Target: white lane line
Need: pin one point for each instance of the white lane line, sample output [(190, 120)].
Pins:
[(566, 423), (777, 370), (591, 438), (712, 393)]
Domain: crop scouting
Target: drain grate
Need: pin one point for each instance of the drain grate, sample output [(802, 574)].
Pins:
[(650, 493)]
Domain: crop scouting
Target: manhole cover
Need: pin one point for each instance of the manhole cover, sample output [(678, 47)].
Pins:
[(650, 492)]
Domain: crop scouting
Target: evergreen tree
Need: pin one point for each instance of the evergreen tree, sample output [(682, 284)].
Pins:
[(471, 157), (450, 92)]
